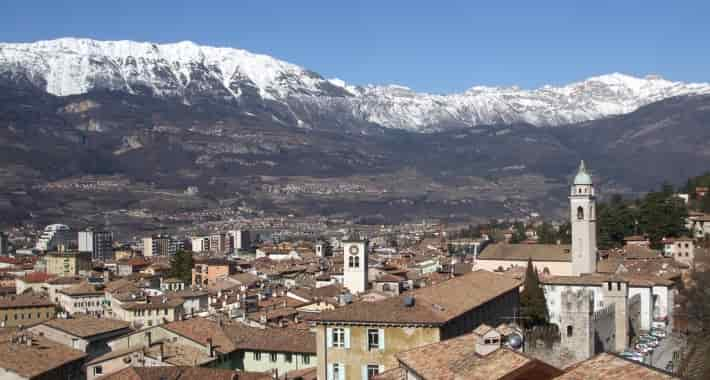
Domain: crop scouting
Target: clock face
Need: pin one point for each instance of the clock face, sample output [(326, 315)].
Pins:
[(354, 250)]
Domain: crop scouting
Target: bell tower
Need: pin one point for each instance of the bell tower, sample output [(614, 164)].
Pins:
[(355, 265), (584, 224)]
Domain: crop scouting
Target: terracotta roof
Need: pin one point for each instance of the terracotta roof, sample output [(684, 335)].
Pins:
[(201, 329), (82, 289), (23, 300), (608, 366), (33, 360), (436, 304), (457, 359), (155, 303), (35, 277), (310, 373), (87, 327), (65, 280), (183, 373), (521, 252), (179, 354), (278, 339), (389, 278)]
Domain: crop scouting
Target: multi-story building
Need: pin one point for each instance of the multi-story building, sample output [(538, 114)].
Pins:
[(682, 249), (240, 240), (370, 334), (200, 244), (24, 310), (161, 245), (68, 263), (218, 243), (83, 298), (98, 243), (53, 237), (207, 272)]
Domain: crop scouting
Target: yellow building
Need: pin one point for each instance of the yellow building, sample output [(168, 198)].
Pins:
[(68, 263), (360, 340), (23, 310)]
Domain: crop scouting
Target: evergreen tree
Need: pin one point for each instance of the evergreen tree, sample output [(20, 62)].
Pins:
[(518, 233), (181, 266), (532, 299), (546, 234), (662, 215)]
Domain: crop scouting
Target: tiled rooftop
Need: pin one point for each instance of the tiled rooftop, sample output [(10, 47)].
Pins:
[(39, 357), (86, 327), (611, 367), (519, 252)]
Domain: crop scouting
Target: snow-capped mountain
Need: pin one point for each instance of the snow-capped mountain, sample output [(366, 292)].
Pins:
[(193, 73)]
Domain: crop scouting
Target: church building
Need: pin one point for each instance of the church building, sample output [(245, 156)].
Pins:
[(599, 312)]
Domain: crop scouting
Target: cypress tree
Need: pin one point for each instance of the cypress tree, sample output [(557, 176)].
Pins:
[(532, 299)]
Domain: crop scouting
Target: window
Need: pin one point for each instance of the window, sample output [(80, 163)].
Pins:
[(373, 339), (338, 337), (618, 286), (608, 285), (288, 358), (39, 315), (98, 370), (372, 370), (306, 359), (357, 261), (580, 213), (273, 356), (257, 356), (569, 331), (337, 371)]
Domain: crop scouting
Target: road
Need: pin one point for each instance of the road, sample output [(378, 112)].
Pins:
[(663, 354)]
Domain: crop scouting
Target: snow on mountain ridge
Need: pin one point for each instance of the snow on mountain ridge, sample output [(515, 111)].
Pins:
[(187, 70)]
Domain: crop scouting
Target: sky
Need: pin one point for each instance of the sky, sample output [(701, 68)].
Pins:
[(431, 46)]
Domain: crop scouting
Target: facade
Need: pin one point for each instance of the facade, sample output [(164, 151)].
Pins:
[(355, 266), (681, 249), (161, 245), (98, 243), (240, 240), (84, 299), (24, 310), (206, 273), (583, 221), (370, 334), (53, 237), (200, 244), (218, 243), (68, 263)]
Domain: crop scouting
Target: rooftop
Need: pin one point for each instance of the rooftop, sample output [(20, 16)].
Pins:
[(435, 305), (30, 360), (183, 373), (608, 366), (522, 252), (23, 301), (87, 327), (457, 359)]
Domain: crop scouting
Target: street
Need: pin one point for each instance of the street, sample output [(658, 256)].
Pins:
[(663, 354)]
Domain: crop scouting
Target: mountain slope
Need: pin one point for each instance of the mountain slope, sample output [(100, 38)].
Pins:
[(296, 97)]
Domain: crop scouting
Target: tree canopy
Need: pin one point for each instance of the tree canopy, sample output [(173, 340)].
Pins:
[(181, 266)]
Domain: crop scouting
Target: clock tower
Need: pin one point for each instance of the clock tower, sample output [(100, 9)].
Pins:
[(355, 265)]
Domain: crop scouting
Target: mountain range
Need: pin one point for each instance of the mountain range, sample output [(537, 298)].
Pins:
[(302, 98), (235, 123)]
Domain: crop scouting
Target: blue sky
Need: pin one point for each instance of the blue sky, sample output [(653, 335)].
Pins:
[(434, 46)]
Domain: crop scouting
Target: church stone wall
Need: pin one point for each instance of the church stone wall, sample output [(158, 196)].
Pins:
[(604, 327)]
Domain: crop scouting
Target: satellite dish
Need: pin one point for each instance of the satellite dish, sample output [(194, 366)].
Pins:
[(515, 341)]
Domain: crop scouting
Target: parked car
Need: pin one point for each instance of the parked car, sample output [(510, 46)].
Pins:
[(632, 355), (658, 333), (642, 347)]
